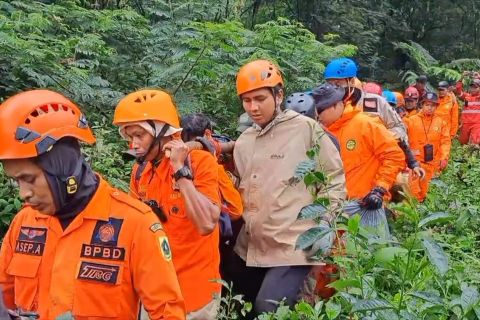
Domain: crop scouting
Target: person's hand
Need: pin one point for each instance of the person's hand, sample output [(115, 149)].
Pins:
[(419, 172), (177, 151), (443, 164), (324, 244), (374, 199)]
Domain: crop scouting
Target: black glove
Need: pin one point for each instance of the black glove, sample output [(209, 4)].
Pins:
[(410, 158), (374, 199)]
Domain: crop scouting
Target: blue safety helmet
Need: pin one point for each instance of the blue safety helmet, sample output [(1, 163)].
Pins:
[(340, 68), (390, 97)]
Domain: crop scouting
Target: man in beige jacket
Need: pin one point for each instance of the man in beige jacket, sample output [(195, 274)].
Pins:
[(266, 266)]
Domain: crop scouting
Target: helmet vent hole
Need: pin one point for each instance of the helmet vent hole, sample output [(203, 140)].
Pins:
[(153, 94), (138, 100), (73, 111), (27, 121), (56, 107), (34, 114), (301, 101), (65, 108)]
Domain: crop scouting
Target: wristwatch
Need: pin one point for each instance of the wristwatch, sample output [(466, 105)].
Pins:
[(183, 172)]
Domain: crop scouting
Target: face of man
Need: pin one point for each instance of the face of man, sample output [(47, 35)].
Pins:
[(260, 105), (474, 89), (442, 92), (33, 185), (340, 82), (429, 108), (141, 140), (411, 104), (329, 115)]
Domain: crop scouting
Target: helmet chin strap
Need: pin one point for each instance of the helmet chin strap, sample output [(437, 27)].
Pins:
[(350, 90), (155, 141)]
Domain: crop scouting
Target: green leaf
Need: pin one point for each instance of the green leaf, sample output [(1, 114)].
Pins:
[(354, 224), (388, 254), (320, 177), (309, 179), (436, 255), (427, 296), (332, 310), (469, 298), (371, 305), (312, 211), (341, 284), (306, 239), (435, 218)]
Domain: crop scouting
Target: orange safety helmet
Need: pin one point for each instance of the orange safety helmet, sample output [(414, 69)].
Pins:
[(31, 122), (400, 99), (146, 105), (258, 74)]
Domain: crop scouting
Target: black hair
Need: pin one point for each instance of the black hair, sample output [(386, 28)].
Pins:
[(194, 125)]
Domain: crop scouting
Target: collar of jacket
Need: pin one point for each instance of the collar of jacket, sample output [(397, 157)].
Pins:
[(425, 116), (281, 116), (348, 113)]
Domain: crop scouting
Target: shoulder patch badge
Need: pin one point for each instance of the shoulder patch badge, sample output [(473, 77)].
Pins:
[(351, 144), (165, 248), (370, 105), (155, 227)]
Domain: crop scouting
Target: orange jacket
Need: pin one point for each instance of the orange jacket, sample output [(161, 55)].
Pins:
[(113, 254), (196, 258), (371, 155), (448, 111), (409, 114), (433, 130), (232, 201)]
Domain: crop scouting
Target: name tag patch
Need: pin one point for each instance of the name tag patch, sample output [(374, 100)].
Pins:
[(31, 240), (102, 252), (31, 248), (98, 272)]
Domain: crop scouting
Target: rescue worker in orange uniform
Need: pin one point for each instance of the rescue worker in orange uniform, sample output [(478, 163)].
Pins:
[(182, 187), (470, 117), (400, 99), (370, 153), (429, 137), (448, 107), (343, 72), (267, 267), (197, 128), (411, 97), (78, 245)]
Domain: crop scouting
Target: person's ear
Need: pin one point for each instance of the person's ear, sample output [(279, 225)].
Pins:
[(208, 134), (279, 97)]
